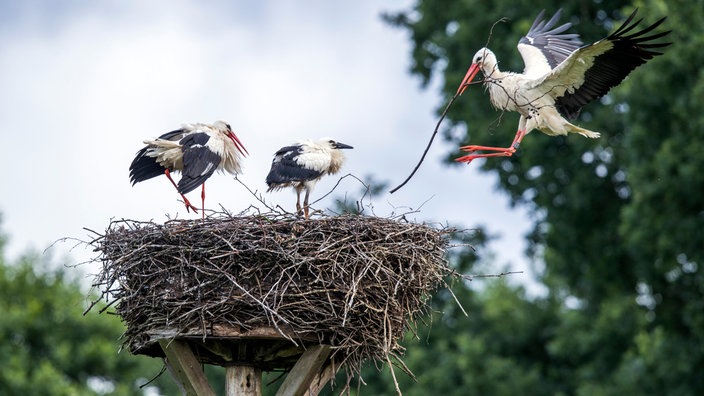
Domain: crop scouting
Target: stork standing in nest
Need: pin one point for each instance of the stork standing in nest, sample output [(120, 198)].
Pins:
[(301, 166), (196, 150), (560, 76)]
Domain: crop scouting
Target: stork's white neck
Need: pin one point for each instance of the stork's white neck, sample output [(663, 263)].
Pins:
[(336, 160)]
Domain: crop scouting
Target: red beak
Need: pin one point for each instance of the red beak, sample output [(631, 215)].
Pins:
[(238, 143), (471, 72)]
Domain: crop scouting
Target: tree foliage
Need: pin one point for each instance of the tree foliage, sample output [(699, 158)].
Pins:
[(47, 346), (617, 220)]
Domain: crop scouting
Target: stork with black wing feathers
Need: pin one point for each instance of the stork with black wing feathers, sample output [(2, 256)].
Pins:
[(302, 165), (560, 76), (196, 150)]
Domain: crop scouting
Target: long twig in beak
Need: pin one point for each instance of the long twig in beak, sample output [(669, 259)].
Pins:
[(435, 132), (461, 89)]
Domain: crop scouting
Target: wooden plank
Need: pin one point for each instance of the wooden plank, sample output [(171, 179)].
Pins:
[(216, 331), (302, 374), (243, 381), (185, 368), (225, 331), (322, 378)]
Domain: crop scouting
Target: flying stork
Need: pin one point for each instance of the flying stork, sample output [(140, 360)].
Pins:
[(196, 150), (560, 76), (302, 164)]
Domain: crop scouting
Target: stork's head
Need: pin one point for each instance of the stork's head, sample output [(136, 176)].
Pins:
[(224, 128), (483, 60), (333, 148), (338, 145), (326, 144)]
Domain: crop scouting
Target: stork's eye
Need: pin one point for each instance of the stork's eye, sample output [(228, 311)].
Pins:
[(332, 142), (229, 128)]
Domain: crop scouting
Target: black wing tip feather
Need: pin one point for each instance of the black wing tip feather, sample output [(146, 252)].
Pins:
[(290, 174), (639, 43), (144, 167), (631, 48), (275, 181), (287, 171), (188, 184), (640, 36)]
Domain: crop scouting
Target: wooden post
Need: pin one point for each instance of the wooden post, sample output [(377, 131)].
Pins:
[(185, 368), (307, 377), (243, 381), (322, 378), (304, 371)]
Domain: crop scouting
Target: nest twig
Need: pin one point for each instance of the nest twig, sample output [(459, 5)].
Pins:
[(353, 282)]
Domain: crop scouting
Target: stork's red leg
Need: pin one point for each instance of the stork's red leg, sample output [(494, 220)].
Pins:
[(305, 204), (474, 148), (185, 200), (468, 158), (202, 197), (168, 174), (298, 202), (500, 151), (520, 134)]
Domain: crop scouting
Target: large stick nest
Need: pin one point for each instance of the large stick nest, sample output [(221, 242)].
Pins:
[(353, 282)]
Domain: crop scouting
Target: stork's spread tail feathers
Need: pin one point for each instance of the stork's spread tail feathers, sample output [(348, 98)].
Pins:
[(584, 132)]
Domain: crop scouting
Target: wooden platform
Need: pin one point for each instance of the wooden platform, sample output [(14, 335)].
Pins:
[(244, 354)]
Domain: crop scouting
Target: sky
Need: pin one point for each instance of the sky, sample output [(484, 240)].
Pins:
[(85, 82)]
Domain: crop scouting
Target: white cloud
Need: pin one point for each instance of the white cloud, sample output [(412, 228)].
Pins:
[(80, 95)]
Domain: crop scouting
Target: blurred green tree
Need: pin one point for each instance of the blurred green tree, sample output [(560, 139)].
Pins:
[(617, 221), (47, 346)]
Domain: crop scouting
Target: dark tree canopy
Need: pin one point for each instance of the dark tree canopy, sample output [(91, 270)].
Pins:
[(618, 220)]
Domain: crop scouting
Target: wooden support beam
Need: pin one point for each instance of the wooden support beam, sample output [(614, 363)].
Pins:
[(304, 371), (243, 381), (185, 368), (322, 378)]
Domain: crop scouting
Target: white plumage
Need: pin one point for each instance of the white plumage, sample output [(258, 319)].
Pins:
[(302, 164), (560, 77), (196, 150)]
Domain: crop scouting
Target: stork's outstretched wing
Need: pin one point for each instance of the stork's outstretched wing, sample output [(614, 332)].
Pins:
[(545, 46), (591, 71)]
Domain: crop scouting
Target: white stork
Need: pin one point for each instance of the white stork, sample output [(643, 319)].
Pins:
[(302, 164), (196, 150), (560, 76)]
